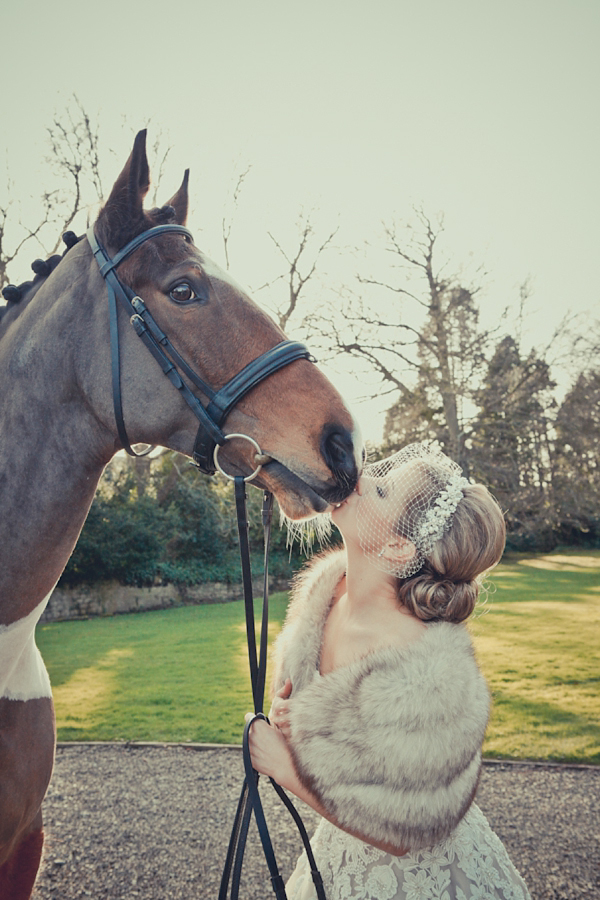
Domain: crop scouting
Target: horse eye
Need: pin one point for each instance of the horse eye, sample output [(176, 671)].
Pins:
[(181, 293), (380, 491)]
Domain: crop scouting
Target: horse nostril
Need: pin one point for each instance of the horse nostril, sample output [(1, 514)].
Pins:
[(338, 450)]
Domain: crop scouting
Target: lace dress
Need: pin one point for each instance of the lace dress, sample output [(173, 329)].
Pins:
[(471, 864)]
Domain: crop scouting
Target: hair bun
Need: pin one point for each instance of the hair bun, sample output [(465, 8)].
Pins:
[(430, 598)]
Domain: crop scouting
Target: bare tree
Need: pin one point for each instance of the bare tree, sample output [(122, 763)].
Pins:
[(74, 159), (10, 246), (418, 331), (302, 264), (74, 171), (227, 220)]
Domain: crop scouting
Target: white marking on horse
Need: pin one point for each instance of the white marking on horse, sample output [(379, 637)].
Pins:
[(23, 675)]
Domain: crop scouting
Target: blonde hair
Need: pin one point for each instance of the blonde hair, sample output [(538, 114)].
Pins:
[(447, 585)]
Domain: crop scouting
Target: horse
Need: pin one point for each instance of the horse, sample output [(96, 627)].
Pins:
[(65, 410)]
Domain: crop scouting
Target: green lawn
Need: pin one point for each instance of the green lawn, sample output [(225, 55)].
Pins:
[(538, 642), (182, 674), (171, 675)]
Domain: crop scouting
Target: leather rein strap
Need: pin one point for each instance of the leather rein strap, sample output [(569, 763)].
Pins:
[(250, 797), (220, 403)]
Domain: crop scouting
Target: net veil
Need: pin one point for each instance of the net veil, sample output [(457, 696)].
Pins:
[(407, 503)]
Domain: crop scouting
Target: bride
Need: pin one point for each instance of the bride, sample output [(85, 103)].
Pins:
[(379, 709)]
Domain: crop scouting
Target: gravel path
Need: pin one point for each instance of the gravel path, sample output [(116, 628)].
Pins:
[(153, 822)]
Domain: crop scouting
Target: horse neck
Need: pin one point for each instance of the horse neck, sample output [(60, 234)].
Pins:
[(52, 450)]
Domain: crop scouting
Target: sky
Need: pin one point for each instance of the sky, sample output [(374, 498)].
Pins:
[(487, 112)]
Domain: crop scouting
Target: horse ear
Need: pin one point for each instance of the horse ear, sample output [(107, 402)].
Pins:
[(179, 201), (123, 213)]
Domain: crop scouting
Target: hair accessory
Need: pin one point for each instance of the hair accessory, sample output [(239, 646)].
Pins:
[(438, 517), (407, 502)]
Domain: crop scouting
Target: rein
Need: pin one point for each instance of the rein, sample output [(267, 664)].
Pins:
[(211, 417), (209, 439), (249, 800)]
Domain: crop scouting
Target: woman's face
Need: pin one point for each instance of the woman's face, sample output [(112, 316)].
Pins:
[(370, 514)]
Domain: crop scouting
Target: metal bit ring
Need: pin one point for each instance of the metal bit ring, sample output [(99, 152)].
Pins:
[(245, 437)]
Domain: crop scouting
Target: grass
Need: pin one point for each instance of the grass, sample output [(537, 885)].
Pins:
[(538, 644), (170, 675), (182, 674)]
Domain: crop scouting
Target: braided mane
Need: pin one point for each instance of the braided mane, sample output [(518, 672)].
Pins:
[(18, 296), (42, 268)]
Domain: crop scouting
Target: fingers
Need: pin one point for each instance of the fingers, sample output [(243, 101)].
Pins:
[(255, 743), (286, 690), (268, 749), (280, 710), (280, 718), (277, 714)]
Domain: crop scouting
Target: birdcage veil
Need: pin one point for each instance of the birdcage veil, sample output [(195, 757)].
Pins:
[(407, 503)]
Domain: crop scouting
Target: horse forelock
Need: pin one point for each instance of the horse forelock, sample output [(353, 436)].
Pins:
[(119, 229), (151, 259)]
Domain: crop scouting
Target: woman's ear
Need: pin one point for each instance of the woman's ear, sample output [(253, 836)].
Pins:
[(398, 551)]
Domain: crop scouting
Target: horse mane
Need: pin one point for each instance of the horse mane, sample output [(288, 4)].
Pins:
[(19, 296)]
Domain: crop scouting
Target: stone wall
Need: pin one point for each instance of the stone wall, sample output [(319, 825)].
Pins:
[(109, 598)]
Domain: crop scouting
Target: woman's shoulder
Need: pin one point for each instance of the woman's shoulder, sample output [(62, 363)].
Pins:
[(434, 676), (427, 654), (401, 630)]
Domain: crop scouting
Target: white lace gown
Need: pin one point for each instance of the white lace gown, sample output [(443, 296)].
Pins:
[(471, 864)]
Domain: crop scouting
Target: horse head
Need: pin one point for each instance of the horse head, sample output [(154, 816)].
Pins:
[(295, 415)]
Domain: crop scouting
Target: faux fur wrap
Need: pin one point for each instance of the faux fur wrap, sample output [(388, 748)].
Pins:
[(391, 744)]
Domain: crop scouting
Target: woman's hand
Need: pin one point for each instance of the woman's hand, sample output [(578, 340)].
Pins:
[(280, 709), (271, 756), (270, 752)]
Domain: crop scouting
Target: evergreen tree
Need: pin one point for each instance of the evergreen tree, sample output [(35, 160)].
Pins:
[(577, 463), (510, 445)]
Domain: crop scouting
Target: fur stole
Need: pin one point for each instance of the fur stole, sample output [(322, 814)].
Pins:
[(390, 744)]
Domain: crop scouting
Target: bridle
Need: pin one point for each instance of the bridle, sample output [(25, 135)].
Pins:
[(220, 403), (209, 439)]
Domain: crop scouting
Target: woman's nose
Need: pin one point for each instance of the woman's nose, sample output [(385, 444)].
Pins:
[(363, 484)]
